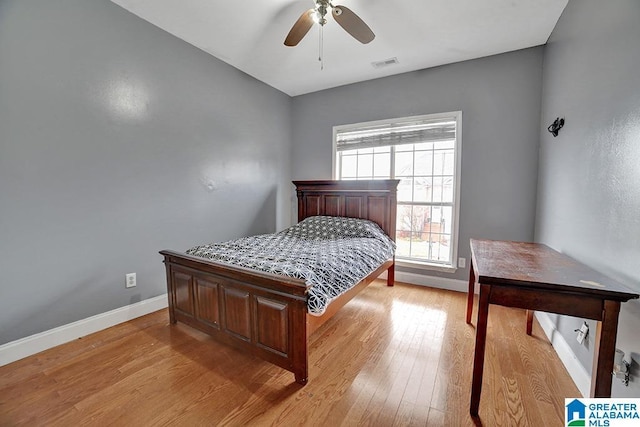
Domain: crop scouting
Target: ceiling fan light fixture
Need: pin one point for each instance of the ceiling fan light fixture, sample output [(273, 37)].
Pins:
[(344, 16)]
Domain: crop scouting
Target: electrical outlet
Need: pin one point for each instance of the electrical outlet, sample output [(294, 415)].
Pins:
[(462, 262), (130, 280), (582, 332)]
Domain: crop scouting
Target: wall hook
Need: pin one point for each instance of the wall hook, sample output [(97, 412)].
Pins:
[(555, 127)]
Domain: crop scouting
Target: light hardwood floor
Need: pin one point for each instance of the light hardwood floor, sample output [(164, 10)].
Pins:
[(392, 356)]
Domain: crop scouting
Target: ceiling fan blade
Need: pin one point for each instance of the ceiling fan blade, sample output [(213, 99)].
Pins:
[(300, 28), (352, 24)]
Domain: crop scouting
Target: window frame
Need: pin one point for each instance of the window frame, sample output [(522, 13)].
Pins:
[(457, 116)]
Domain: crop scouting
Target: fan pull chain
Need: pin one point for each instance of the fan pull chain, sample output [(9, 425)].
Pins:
[(320, 48)]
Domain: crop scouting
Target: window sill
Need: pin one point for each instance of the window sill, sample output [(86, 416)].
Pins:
[(425, 266)]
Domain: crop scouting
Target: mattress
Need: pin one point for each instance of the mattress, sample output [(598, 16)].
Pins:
[(331, 254)]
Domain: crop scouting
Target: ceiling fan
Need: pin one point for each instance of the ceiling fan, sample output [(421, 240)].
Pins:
[(348, 20)]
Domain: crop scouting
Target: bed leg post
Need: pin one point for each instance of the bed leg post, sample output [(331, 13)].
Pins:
[(299, 350), (172, 316), (391, 275), (302, 379)]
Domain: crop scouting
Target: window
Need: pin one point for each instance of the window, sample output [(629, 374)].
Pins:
[(423, 152)]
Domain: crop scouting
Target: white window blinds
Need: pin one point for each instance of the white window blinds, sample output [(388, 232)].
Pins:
[(409, 132)]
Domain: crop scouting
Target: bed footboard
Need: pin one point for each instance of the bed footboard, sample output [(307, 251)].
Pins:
[(262, 314)]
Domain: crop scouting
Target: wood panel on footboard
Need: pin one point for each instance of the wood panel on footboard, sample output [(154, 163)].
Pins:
[(266, 314), (259, 313)]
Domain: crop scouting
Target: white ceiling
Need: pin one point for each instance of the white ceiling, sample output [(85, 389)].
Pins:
[(249, 35)]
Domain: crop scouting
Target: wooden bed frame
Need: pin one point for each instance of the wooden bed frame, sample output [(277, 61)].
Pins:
[(266, 314)]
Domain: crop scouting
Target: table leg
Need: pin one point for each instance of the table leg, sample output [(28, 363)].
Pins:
[(605, 349), (478, 357), (472, 284), (529, 321)]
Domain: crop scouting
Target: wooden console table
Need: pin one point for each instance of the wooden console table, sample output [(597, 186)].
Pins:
[(535, 277)]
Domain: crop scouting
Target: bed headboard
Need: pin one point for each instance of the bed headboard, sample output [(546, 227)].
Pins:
[(373, 199)]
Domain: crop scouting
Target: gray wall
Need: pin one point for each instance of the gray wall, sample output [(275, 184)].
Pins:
[(499, 97), (111, 133), (589, 179)]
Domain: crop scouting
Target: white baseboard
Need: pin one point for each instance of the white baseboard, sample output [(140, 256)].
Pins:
[(16, 350), (577, 372), (432, 281)]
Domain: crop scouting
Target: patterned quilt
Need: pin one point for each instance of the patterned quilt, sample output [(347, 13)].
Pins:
[(331, 254)]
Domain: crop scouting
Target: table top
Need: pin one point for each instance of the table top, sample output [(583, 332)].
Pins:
[(537, 266)]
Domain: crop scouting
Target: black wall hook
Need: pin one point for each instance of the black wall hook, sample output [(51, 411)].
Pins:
[(555, 127)]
